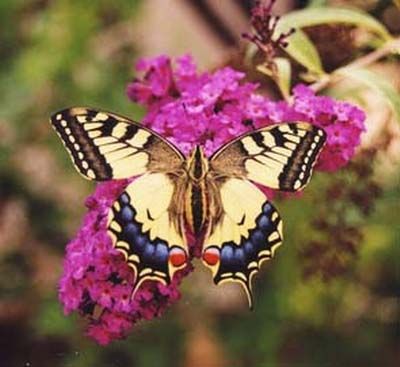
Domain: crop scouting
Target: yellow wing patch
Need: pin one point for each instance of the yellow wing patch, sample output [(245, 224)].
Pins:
[(106, 146), (241, 202), (152, 195), (143, 230), (280, 156), (248, 233)]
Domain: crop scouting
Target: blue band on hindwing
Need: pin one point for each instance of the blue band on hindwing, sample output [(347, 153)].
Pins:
[(152, 254), (245, 257)]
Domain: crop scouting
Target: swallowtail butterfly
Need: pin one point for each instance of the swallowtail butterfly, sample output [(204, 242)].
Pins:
[(215, 198)]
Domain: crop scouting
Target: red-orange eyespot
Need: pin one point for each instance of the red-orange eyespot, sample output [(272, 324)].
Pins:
[(211, 256), (177, 256)]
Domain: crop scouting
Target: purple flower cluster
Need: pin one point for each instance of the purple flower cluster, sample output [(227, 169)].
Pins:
[(97, 281), (342, 121), (188, 108)]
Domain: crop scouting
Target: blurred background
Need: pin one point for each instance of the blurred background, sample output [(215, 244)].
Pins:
[(331, 295)]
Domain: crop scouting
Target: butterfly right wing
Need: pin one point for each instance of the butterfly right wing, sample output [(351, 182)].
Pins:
[(280, 156), (247, 233), (248, 229), (105, 146)]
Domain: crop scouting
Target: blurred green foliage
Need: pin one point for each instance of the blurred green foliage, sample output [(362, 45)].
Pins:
[(61, 53)]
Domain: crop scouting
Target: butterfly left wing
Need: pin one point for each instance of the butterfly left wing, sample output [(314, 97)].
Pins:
[(144, 228), (142, 222), (105, 146), (280, 156), (247, 233)]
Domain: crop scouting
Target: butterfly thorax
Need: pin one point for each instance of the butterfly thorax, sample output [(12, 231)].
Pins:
[(197, 165), (196, 193)]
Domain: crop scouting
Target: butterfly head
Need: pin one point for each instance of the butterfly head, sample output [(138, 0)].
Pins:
[(197, 164)]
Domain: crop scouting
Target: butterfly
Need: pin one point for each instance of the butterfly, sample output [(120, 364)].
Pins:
[(213, 198)]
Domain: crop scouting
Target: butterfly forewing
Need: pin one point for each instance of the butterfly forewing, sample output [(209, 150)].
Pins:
[(280, 156), (106, 146)]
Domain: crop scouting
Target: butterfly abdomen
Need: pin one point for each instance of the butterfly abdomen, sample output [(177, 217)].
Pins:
[(196, 196), (196, 206)]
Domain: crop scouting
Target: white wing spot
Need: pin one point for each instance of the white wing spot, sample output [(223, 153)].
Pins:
[(80, 155), (76, 146), (301, 175), (313, 145), (59, 116), (85, 164), (297, 184), (92, 125), (90, 173), (317, 138), (285, 128), (304, 167), (293, 138), (274, 247), (63, 123), (134, 257), (94, 134), (290, 145), (273, 236), (81, 119), (320, 133), (71, 139), (101, 116)]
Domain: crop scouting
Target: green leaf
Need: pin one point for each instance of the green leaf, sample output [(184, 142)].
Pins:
[(304, 52), (50, 319), (300, 48), (316, 3), (283, 75), (322, 15), (377, 83), (250, 52)]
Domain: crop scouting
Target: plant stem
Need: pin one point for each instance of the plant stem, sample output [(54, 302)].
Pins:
[(388, 48)]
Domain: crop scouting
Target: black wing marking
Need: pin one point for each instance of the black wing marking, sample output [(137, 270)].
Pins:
[(232, 262), (280, 156), (106, 146), (150, 257)]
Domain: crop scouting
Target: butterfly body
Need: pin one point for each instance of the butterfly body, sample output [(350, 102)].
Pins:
[(214, 197), (198, 191)]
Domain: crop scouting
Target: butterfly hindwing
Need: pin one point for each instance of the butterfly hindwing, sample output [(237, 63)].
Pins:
[(280, 156), (142, 228), (247, 233), (106, 146)]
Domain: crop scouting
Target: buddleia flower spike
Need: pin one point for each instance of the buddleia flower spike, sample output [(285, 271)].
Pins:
[(187, 171)]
